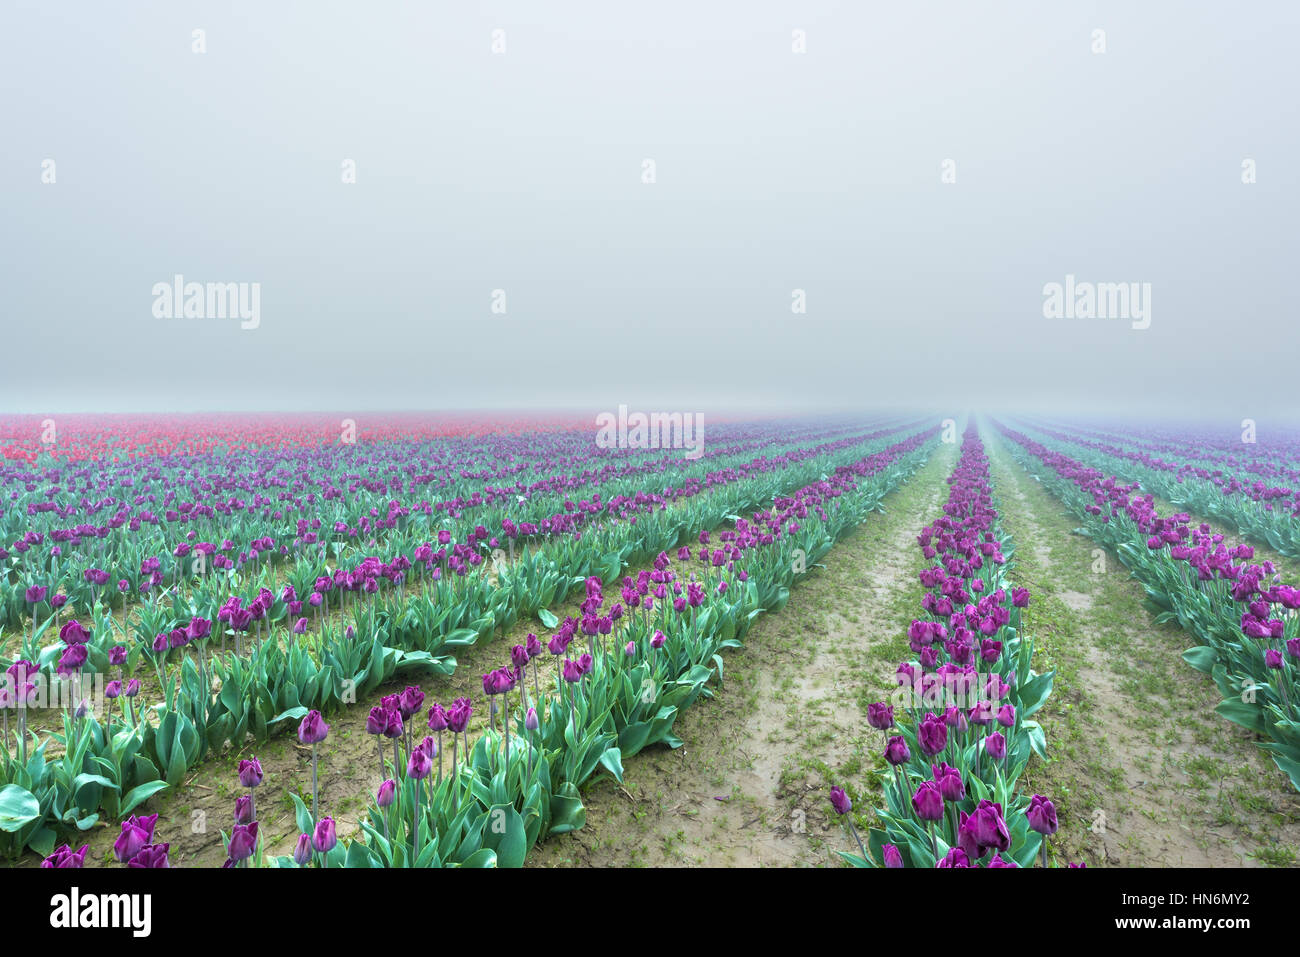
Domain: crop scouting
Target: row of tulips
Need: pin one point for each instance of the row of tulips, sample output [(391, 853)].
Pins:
[(469, 600), (135, 553), (958, 733), (1241, 610), (1268, 514), (519, 782), (275, 684)]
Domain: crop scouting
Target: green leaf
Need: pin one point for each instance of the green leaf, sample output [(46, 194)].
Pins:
[(298, 712), (1247, 715), (18, 808), (139, 795), (505, 835), (485, 857), (549, 620), (612, 759), (1202, 658)]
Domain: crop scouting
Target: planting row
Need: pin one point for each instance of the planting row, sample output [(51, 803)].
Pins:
[(1267, 513), (1241, 611), (958, 732), (644, 658), (218, 530)]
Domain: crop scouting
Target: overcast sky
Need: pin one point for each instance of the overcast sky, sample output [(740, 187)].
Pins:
[(775, 171)]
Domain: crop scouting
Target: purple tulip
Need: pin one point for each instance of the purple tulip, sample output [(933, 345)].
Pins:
[(387, 794), (72, 633), (896, 751), (996, 746), (1041, 815), (880, 716), (990, 829), (950, 782), (932, 734), (840, 801), (410, 701), (927, 802), (130, 840), (250, 773), (437, 718), (956, 857), (66, 857), (418, 766), (313, 729), (324, 837), (243, 841), (151, 856), (893, 859)]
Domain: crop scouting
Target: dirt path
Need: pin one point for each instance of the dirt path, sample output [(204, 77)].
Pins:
[(1144, 772), (749, 786)]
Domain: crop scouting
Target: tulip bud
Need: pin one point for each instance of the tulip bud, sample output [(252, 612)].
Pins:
[(324, 838), (250, 773), (302, 850), (386, 796), (1041, 814), (840, 801), (313, 729)]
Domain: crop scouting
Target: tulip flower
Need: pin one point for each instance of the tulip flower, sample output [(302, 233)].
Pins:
[(324, 837), (151, 856), (1041, 815), (955, 857), (65, 857), (130, 840), (313, 730), (892, 858), (243, 842), (302, 851)]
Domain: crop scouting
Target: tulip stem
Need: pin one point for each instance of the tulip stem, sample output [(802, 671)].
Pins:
[(1043, 849), (314, 791), (854, 831), (415, 825)]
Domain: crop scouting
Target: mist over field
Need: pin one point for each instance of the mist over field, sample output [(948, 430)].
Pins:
[(846, 206), (769, 434)]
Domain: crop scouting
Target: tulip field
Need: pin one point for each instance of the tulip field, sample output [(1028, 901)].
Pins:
[(867, 640)]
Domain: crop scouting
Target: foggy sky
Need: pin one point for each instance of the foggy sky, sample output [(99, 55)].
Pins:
[(775, 171)]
